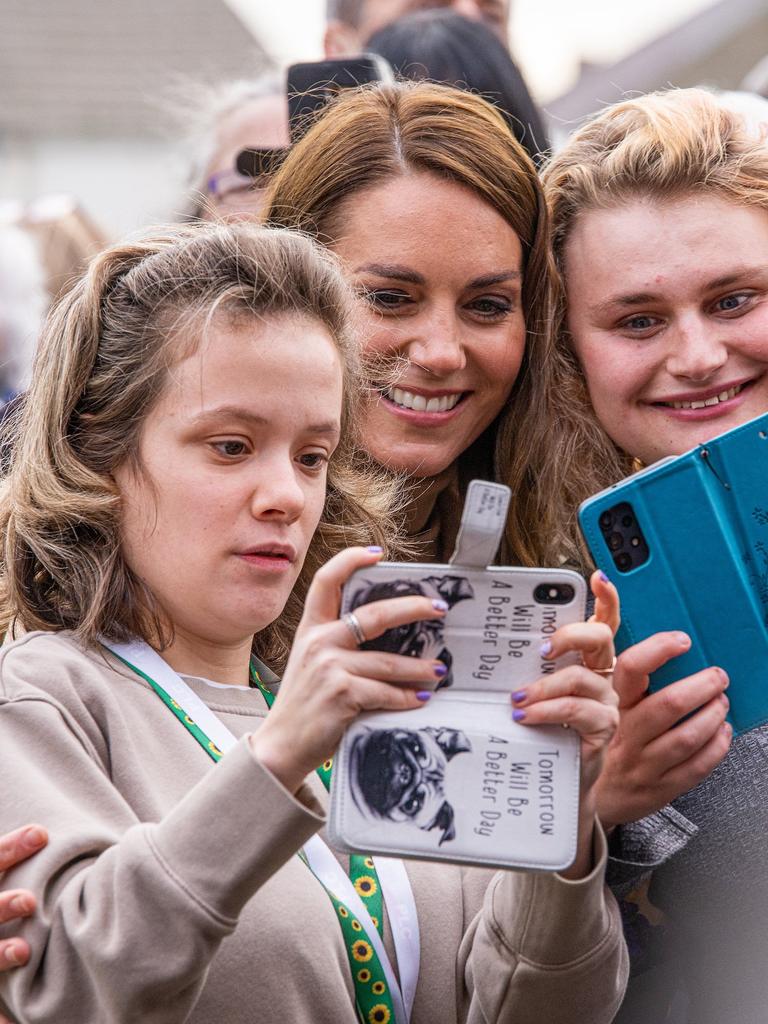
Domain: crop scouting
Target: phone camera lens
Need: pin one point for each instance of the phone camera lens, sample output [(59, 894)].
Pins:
[(553, 593), (623, 562), (606, 521), (615, 541), (626, 521)]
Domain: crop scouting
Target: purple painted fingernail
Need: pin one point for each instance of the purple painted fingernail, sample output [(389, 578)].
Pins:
[(375, 549), (440, 670), (424, 695), (603, 577), (519, 695), (546, 648), (518, 715), (440, 606)]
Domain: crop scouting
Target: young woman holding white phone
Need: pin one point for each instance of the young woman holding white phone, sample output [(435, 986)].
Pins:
[(184, 489)]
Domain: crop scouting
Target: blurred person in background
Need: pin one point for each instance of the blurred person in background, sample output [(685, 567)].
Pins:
[(241, 132), (23, 303), (443, 46), (66, 238), (241, 117), (351, 23)]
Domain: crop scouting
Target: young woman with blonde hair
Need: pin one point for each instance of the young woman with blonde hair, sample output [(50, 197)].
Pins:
[(184, 464), (660, 223)]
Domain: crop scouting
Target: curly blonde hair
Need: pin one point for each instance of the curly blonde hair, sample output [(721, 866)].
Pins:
[(102, 363), (662, 146)]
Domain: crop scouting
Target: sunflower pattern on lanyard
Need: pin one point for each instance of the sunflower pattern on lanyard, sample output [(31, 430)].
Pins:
[(373, 1000), (373, 1007)]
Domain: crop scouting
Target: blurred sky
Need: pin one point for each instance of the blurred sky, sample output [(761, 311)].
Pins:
[(550, 37)]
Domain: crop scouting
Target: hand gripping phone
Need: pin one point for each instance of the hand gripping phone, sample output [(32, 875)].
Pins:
[(686, 543), (459, 780)]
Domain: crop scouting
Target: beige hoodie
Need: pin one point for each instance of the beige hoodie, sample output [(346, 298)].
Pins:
[(171, 892)]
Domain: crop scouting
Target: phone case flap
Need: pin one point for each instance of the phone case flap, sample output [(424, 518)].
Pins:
[(483, 519)]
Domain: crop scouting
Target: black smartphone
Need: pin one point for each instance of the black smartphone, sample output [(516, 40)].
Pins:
[(312, 85)]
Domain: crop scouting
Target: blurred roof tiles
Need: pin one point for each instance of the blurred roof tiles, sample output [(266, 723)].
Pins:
[(84, 68)]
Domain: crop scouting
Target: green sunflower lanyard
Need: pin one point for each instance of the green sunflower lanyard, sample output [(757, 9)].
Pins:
[(377, 995)]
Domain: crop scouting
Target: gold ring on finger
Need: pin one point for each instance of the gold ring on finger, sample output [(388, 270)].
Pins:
[(352, 623), (604, 671)]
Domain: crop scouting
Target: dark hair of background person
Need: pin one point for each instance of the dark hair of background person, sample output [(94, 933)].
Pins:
[(445, 47)]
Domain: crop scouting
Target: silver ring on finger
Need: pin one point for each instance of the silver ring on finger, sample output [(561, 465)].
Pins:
[(352, 623)]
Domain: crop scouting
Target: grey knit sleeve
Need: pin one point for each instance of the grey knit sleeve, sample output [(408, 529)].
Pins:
[(638, 848)]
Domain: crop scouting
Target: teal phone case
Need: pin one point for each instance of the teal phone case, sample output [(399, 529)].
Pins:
[(704, 516)]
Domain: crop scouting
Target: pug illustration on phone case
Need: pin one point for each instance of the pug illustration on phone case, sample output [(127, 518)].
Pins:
[(458, 780), (416, 639), (399, 775)]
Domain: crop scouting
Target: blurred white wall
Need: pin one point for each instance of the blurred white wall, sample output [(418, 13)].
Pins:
[(83, 92), (123, 183)]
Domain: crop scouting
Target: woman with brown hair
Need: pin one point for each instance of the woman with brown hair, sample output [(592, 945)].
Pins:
[(184, 465), (660, 224), (439, 220)]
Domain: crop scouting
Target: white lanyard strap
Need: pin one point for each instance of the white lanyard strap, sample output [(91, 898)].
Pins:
[(404, 921), (395, 884)]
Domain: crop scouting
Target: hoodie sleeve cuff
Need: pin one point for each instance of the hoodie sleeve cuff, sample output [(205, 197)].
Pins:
[(582, 907)]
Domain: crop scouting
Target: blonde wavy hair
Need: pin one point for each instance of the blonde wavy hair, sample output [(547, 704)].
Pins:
[(370, 135), (102, 363), (662, 146)]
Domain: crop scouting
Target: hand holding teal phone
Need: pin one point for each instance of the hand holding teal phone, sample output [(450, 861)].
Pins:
[(686, 543)]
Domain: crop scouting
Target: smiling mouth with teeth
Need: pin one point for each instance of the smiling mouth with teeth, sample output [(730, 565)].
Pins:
[(407, 400), (724, 396)]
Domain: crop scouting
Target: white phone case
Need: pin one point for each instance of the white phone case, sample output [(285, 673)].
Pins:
[(459, 780)]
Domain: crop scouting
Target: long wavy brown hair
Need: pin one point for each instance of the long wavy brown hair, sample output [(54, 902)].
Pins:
[(102, 363), (370, 135), (662, 146)]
